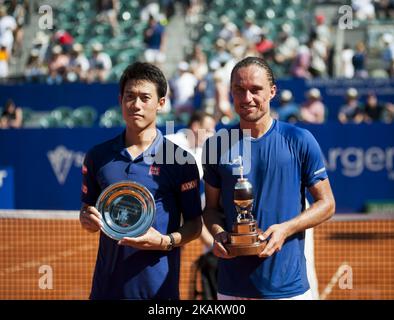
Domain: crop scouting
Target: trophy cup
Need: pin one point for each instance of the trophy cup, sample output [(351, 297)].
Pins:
[(244, 240), (127, 209)]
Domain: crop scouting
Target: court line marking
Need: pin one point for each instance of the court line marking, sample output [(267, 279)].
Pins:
[(39, 214), (45, 260)]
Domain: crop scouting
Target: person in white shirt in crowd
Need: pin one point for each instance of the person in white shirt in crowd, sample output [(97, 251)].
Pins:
[(302, 62), (319, 57), (251, 32), (199, 63), (221, 54), (388, 53), (363, 9), (286, 48), (107, 11), (313, 109), (99, 65), (347, 69), (7, 27), (322, 31), (229, 29), (182, 89)]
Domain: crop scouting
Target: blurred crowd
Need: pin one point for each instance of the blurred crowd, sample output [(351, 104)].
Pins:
[(58, 56), (13, 20)]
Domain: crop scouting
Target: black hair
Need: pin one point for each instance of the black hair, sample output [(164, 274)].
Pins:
[(146, 72), (9, 103), (198, 116), (254, 61)]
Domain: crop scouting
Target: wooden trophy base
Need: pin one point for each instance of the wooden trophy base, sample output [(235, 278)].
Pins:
[(244, 240)]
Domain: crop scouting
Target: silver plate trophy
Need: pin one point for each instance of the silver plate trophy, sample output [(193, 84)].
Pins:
[(127, 209)]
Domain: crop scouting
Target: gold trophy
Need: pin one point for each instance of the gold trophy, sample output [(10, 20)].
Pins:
[(244, 238)]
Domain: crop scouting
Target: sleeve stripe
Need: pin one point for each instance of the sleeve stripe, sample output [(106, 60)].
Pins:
[(319, 171)]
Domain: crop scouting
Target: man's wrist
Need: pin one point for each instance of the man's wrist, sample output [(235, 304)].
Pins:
[(171, 243)]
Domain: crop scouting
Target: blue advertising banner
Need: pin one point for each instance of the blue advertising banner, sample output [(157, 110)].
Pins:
[(360, 162), (7, 188), (47, 163), (103, 96)]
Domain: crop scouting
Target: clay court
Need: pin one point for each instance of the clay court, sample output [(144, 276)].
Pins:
[(360, 244)]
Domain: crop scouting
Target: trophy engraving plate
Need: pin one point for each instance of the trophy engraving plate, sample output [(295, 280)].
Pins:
[(127, 208)]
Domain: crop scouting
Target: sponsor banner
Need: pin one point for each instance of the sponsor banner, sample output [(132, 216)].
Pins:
[(104, 96), (47, 164), (6, 188)]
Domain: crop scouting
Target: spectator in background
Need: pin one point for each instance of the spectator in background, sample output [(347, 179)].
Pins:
[(321, 30), (286, 49), (57, 65), (182, 89), (319, 57), (34, 70), (287, 111), (198, 63), (206, 89), (64, 39), (373, 110), (18, 9), (359, 61), (229, 29), (12, 116), (107, 11), (347, 69), (302, 62), (223, 111), (221, 55), (154, 38), (351, 111), (388, 53), (7, 27), (364, 9), (4, 58), (265, 47), (313, 110), (388, 113), (201, 126), (78, 67), (384, 9), (99, 65), (251, 32)]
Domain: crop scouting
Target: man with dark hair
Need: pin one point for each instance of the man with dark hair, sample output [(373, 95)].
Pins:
[(147, 266), (286, 161)]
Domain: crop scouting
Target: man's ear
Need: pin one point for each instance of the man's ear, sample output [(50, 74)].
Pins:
[(273, 92), (162, 102)]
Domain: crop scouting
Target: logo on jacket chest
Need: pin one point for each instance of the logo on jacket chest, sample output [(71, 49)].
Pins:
[(154, 170)]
